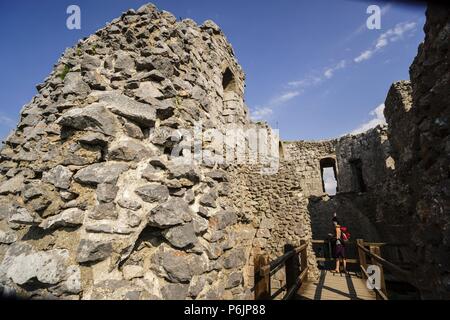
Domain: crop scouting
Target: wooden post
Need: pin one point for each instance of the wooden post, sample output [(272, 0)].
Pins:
[(291, 267), (330, 255), (304, 259), (262, 278), (376, 250), (361, 254)]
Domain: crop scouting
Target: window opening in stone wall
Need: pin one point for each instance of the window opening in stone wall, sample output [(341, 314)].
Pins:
[(329, 180), (228, 81), (357, 171)]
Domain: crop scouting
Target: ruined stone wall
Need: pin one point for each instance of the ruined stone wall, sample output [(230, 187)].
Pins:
[(418, 116), (91, 206), (276, 205), (306, 156), (277, 209), (373, 150)]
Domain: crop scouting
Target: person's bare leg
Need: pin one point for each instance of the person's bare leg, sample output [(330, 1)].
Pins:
[(337, 265), (345, 265)]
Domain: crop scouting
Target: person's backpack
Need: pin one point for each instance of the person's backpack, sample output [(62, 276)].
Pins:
[(345, 235)]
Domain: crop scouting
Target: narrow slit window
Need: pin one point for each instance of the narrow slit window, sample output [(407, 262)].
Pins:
[(228, 81), (358, 179), (329, 180)]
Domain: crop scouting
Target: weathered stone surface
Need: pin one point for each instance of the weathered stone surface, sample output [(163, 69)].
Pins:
[(124, 62), (72, 285), (181, 236), (7, 237), (94, 139), (100, 173), (22, 264), (91, 118), (148, 91), (104, 211), (234, 280), (129, 108), (68, 218), (74, 84), (24, 217), (90, 62), (214, 236), (209, 200), (59, 177), (223, 219), (196, 285), (165, 109), (200, 224), (67, 195), (133, 220), (184, 171), (164, 65), (164, 136), (132, 271), (133, 130), (218, 175), (175, 211), (93, 251), (32, 191), (128, 151), (153, 193), (152, 174), (13, 185), (129, 204), (179, 266), (175, 291), (234, 258), (6, 210), (106, 192), (109, 228)]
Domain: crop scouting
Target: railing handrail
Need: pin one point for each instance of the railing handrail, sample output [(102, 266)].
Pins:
[(268, 268), (378, 291), (389, 265), (264, 268), (376, 244), (273, 265)]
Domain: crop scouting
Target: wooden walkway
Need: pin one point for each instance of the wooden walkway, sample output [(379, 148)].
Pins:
[(332, 286)]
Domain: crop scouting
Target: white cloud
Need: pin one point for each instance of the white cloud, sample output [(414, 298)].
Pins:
[(392, 35), (284, 97), (330, 71), (377, 119), (260, 113), (306, 82), (366, 55), (313, 79)]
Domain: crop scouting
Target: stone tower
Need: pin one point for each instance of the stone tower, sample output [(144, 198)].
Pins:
[(90, 205)]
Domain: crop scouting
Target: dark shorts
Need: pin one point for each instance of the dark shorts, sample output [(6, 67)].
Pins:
[(340, 251)]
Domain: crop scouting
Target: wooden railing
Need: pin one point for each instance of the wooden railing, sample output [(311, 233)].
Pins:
[(297, 269), (296, 272), (374, 254)]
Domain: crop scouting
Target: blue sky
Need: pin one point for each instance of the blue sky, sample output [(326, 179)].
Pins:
[(313, 68)]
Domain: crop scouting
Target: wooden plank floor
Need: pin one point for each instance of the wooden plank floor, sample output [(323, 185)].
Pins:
[(336, 287)]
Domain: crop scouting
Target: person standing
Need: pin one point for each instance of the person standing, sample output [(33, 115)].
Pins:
[(339, 250)]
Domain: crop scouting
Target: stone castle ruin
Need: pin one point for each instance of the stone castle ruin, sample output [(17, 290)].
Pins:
[(93, 206)]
